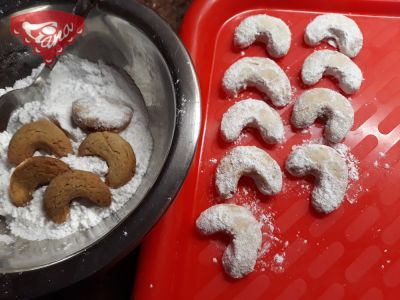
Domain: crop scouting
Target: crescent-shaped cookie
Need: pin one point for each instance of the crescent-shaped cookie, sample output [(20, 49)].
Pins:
[(343, 30), (252, 113), (263, 74), (240, 255), (269, 30), (31, 174), (248, 161), (327, 104), (329, 170), (333, 63), (70, 186), (39, 135), (116, 151)]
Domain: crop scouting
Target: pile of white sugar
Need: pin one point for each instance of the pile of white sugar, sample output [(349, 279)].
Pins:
[(71, 79)]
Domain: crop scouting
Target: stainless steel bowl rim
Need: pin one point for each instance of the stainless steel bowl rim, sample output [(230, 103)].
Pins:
[(112, 247)]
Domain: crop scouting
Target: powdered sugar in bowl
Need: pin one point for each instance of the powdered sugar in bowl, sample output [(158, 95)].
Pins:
[(127, 53)]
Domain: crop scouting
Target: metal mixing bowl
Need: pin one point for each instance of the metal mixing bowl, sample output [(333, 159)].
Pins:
[(141, 46)]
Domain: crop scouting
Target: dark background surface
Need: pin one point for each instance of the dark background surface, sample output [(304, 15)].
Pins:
[(116, 282)]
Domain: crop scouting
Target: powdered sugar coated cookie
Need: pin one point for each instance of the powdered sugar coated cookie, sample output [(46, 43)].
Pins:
[(269, 30), (328, 104), (240, 255), (261, 73), (343, 30), (333, 63), (248, 161), (252, 113), (101, 114), (329, 169)]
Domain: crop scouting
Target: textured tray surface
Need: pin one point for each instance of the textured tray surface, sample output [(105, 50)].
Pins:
[(353, 252)]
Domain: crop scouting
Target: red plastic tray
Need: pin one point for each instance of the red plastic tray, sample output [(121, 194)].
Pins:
[(353, 253)]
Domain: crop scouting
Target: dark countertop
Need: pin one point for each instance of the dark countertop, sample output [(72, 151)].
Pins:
[(116, 282), (171, 10)]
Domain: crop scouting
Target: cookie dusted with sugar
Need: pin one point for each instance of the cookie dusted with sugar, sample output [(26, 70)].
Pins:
[(262, 73), (248, 161), (252, 113), (240, 256), (328, 168), (327, 104), (101, 114), (271, 31), (333, 63), (342, 30)]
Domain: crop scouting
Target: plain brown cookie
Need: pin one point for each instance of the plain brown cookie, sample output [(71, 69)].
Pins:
[(39, 135), (31, 174), (72, 185), (116, 151)]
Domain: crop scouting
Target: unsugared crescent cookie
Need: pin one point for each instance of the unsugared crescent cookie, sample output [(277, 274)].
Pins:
[(240, 255), (263, 28), (328, 168), (343, 30), (70, 186), (327, 104), (39, 135), (333, 63), (248, 161), (116, 151), (263, 74), (252, 113), (32, 173)]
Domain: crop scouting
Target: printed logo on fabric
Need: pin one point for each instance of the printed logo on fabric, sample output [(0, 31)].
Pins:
[(47, 32)]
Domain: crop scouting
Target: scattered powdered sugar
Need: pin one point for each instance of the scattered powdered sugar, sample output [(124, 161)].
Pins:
[(71, 79), (351, 161), (272, 241), (305, 131), (279, 259), (213, 161), (379, 162), (6, 239)]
